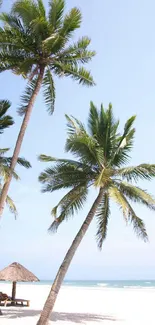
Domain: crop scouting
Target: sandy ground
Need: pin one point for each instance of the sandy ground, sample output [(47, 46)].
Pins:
[(83, 306)]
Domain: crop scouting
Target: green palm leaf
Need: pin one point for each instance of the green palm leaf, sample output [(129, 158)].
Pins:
[(26, 97), (11, 21), (26, 11), (103, 214), (117, 196), (79, 74), (5, 120), (4, 150), (49, 91), (71, 22), (41, 8), (124, 144), (84, 147), (143, 171), (137, 195), (70, 162), (138, 224), (11, 206), (56, 13), (72, 202), (64, 175), (74, 126)]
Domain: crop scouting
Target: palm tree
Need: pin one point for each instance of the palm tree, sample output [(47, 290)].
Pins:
[(37, 46), (5, 122), (102, 154)]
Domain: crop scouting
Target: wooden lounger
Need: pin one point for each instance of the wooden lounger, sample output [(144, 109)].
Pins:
[(16, 302), (22, 302)]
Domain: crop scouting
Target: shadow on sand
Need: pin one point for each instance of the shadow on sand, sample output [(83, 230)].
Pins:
[(78, 318)]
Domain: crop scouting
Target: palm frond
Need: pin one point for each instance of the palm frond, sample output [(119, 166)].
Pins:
[(77, 53), (65, 175), (103, 127), (77, 47), (41, 8), (108, 136), (25, 98), (128, 212), (84, 147), (128, 125), (70, 162), (11, 206), (27, 69), (4, 171), (56, 13), (137, 195), (74, 126), (11, 57), (5, 120), (135, 173), (103, 214), (72, 202), (79, 74), (7, 66), (11, 21), (24, 163), (117, 196), (124, 144), (76, 58), (40, 28), (20, 161), (3, 151), (26, 11), (71, 22), (138, 224), (49, 91), (93, 120)]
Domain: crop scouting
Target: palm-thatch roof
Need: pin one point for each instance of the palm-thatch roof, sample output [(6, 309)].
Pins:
[(15, 272)]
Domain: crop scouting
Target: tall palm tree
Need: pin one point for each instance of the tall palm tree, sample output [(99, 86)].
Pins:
[(37, 46), (102, 154), (5, 122)]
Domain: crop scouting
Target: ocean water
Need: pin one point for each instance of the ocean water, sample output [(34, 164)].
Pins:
[(106, 284), (133, 284)]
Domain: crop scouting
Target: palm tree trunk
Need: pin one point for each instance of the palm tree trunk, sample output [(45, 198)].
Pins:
[(20, 139), (49, 304)]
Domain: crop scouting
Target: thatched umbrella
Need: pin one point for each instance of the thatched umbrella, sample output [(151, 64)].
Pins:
[(15, 272)]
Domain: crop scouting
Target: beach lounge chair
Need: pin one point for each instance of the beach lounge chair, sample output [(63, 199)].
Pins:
[(17, 302), (5, 299)]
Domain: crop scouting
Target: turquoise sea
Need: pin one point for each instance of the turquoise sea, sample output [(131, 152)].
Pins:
[(106, 283), (139, 284)]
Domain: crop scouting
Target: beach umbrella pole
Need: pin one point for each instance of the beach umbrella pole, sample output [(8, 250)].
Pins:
[(13, 290)]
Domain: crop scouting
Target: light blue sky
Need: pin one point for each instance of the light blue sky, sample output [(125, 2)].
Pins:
[(122, 33)]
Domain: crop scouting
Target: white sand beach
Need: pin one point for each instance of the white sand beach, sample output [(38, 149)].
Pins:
[(90, 306)]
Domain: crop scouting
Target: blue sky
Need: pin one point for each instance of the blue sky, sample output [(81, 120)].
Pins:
[(122, 34)]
